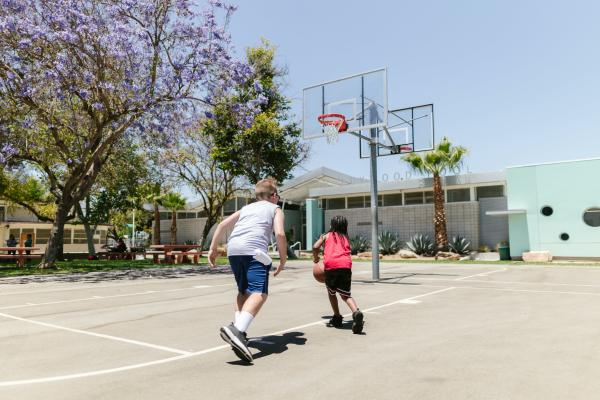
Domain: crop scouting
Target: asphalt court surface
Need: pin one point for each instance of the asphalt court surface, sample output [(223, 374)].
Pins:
[(433, 331)]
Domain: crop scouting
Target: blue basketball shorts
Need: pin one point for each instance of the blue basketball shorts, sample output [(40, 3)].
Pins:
[(251, 275)]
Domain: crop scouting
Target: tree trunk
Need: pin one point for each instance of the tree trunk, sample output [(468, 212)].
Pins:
[(89, 236), (439, 219), (54, 250), (174, 228), (210, 222), (89, 231), (156, 231)]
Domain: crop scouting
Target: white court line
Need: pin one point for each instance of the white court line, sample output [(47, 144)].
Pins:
[(528, 291), (116, 338), (188, 355), (481, 274), (141, 281), (111, 296)]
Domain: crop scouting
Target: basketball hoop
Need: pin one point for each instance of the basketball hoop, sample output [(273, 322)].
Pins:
[(333, 125)]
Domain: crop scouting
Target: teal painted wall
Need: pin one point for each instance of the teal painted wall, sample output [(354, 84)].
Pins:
[(314, 222), (293, 222), (569, 188)]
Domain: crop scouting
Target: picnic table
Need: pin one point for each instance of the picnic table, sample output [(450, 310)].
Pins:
[(20, 256), (175, 253)]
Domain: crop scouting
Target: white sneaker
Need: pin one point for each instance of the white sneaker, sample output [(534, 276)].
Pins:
[(262, 257)]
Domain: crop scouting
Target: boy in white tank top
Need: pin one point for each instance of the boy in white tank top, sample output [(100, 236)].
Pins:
[(247, 249)]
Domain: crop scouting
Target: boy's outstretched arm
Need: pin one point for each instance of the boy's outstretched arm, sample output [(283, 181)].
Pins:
[(317, 248), (278, 227), (228, 222)]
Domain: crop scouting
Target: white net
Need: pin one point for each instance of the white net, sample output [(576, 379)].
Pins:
[(332, 132)]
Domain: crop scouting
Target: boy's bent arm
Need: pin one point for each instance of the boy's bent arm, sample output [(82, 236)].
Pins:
[(217, 236), (278, 227)]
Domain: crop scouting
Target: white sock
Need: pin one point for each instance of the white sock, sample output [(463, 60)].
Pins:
[(236, 316), (242, 322)]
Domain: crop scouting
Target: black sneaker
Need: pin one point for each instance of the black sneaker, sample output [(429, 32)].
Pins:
[(238, 342), (336, 321), (358, 321)]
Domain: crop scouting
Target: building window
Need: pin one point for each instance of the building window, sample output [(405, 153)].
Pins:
[(202, 214), (67, 237), (186, 215), (392, 199), (356, 202), (428, 197), (368, 201), (591, 216), (229, 207), (490, 191), (42, 236), (2, 214), (456, 195), (547, 211), (165, 216), (79, 237), (413, 198), (335, 204), (241, 202)]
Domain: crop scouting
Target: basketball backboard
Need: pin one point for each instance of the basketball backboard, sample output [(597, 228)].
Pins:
[(408, 130), (361, 98)]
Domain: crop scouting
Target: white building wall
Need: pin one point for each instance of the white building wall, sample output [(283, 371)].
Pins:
[(462, 219)]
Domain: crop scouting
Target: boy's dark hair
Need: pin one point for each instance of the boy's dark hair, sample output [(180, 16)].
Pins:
[(339, 225)]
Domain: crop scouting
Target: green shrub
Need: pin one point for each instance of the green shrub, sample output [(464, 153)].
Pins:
[(459, 245), (358, 244), (389, 243), (421, 245)]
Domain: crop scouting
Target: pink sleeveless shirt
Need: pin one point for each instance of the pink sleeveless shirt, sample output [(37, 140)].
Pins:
[(336, 253)]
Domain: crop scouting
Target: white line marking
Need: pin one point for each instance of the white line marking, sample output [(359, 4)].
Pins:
[(110, 297), (116, 338), (481, 274), (187, 354), (145, 281), (528, 291), (410, 302), (410, 298)]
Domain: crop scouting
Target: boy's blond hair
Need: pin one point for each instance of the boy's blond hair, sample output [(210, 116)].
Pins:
[(265, 188)]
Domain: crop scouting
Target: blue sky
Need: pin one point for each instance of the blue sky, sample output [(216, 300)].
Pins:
[(516, 82)]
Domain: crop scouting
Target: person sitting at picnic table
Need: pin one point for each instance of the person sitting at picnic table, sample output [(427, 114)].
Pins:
[(28, 243), (11, 242)]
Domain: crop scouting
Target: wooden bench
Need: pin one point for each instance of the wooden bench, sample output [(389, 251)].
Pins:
[(180, 256), (155, 254)]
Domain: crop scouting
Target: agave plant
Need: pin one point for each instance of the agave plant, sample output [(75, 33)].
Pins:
[(358, 244), (420, 244), (389, 243), (459, 245)]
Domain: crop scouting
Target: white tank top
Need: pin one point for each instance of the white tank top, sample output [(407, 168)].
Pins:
[(253, 229)]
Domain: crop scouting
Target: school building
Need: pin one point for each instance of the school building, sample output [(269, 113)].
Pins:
[(18, 221), (551, 207)]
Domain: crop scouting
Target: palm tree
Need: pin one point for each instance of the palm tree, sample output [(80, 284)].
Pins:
[(152, 193), (173, 202), (444, 157)]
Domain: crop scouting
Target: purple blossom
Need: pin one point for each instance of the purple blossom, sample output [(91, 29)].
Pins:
[(100, 52), (6, 153), (258, 88)]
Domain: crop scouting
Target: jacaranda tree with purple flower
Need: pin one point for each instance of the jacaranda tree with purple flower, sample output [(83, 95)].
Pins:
[(77, 76)]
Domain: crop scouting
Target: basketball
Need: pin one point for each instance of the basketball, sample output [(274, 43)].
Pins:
[(319, 272)]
